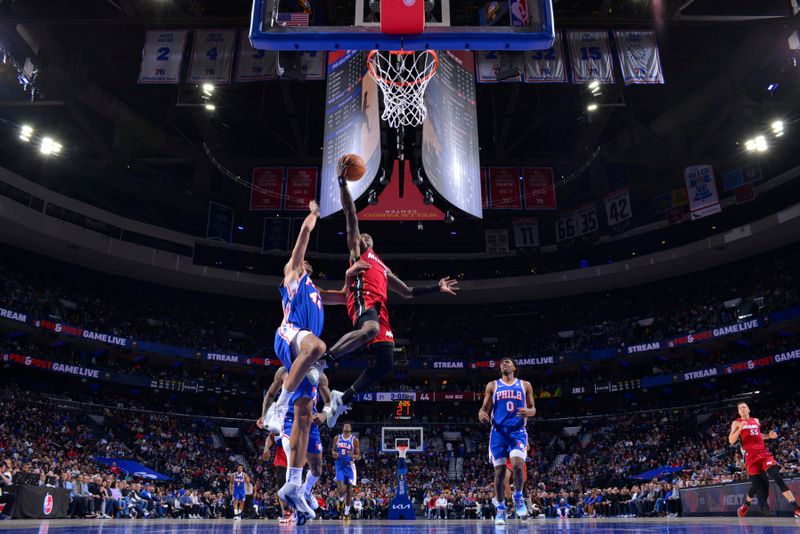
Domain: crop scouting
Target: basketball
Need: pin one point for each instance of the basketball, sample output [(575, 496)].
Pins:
[(353, 167)]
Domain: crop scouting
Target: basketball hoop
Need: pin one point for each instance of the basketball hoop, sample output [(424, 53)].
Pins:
[(403, 76), (402, 450)]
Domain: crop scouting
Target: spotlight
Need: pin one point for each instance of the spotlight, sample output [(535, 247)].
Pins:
[(772, 87), (449, 219), (208, 88), (761, 143), (594, 85), (750, 145), (591, 107), (417, 180), (25, 133), (428, 198), (777, 128), (49, 146), (210, 107), (372, 198)]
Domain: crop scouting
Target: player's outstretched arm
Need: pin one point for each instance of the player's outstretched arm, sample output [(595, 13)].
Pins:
[(530, 408), (350, 215), (332, 297), (736, 429), (323, 387), (295, 263), (483, 413), (269, 397), (445, 285)]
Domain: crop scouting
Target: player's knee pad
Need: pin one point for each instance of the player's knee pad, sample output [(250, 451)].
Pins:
[(775, 473)]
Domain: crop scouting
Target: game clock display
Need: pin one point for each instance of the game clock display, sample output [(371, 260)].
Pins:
[(403, 410)]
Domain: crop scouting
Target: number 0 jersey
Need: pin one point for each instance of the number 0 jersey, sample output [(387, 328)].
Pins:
[(507, 400)]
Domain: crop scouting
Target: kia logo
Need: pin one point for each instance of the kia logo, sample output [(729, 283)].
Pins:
[(47, 506), (401, 507)]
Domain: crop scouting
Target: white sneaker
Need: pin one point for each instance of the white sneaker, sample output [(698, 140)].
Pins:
[(237, 518), (275, 416), (312, 501), (521, 509), (292, 494), (500, 518), (316, 370), (338, 408)]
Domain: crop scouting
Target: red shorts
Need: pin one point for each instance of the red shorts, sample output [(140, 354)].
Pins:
[(385, 334), (758, 462), (280, 457)]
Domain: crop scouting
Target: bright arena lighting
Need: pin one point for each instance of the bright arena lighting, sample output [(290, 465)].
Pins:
[(761, 143), (211, 107), (25, 132), (591, 107), (594, 85), (777, 128), (49, 146), (208, 88)]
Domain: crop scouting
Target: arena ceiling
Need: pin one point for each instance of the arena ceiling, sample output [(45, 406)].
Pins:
[(137, 150)]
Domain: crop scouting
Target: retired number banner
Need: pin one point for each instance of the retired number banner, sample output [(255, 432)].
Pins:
[(212, 56), (267, 190), (254, 65), (313, 63), (591, 56), (618, 206), (540, 190), (546, 66), (301, 187), (638, 57), (702, 190), (162, 56), (526, 232), (504, 184), (489, 64)]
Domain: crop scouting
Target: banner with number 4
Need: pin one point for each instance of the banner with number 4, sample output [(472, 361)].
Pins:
[(212, 56)]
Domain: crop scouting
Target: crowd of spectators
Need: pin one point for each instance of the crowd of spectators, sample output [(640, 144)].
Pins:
[(578, 474)]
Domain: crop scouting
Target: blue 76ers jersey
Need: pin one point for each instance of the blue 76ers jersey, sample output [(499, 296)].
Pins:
[(508, 398), (302, 309), (238, 480), (344, 447)]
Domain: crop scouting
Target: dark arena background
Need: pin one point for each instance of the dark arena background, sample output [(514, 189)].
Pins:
[(574, 300)]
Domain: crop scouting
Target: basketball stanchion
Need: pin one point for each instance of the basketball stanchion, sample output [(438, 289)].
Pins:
[(401, 507)]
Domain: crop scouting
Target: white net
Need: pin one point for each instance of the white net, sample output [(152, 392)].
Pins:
[(403, 77)]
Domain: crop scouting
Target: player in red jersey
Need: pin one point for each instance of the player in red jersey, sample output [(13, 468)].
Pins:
[(758, 460), (366, 306)]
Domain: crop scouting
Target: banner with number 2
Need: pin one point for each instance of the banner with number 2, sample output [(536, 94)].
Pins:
[(162, 56)]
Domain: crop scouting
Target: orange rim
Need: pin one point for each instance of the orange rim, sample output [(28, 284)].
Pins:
[(403, 53)]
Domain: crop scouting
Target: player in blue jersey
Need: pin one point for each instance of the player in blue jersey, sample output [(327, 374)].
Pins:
[(237, 482), (346, 450), (510, 402)]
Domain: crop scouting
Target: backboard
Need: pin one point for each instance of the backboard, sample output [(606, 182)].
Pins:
[(527, 25), (411, 436)]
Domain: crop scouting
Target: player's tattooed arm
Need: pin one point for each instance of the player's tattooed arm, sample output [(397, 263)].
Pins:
[(483, 413)]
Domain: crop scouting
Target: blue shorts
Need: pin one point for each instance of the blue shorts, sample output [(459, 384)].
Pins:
[(314, 441), (507, 443), (238, 494), (346, 472)]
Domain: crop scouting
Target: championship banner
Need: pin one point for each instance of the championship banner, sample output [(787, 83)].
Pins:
[(736, 178), (220, 222), (254, 65), (504, 187), (212, 56), (74, 331), (639, 59), (540, 189), (162, 56), (301, 187), (269, 192), (11, 315), (496, 241), (526, 232), (276, 234), (702, 191), (484, 190), (546, 66), (591, 56), (490, 62), (618, 206)]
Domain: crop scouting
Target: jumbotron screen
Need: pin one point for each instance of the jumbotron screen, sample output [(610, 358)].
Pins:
[(450, 132), (352, 125)]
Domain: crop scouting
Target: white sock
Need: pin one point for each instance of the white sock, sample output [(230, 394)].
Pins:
[(294, 475), (346, 509), (310, 481), (285, 396)]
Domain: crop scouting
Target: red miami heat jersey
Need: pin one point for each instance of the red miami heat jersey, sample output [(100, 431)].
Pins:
[(751, 435), (371, 284)]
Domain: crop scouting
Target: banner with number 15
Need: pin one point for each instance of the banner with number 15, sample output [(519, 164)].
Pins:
[(212, 56)]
